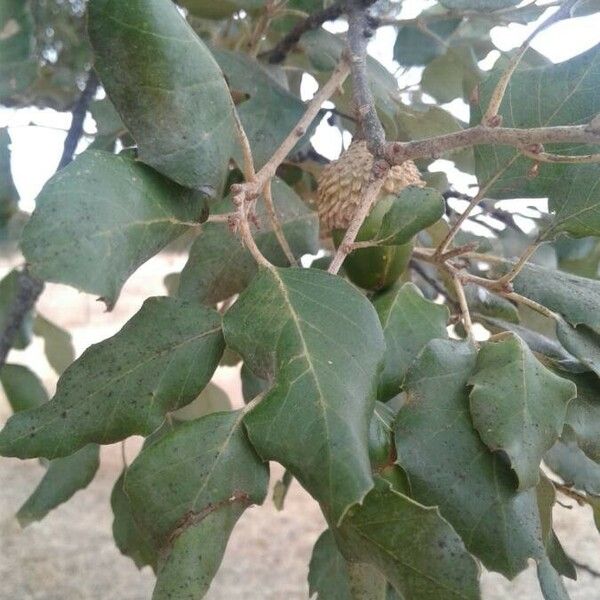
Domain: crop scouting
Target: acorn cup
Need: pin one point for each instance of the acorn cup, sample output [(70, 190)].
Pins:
[(340, 191)]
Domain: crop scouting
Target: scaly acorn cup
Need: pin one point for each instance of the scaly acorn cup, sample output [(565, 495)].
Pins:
[(340, 191)]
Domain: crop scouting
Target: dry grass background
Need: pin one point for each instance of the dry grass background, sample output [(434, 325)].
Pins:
[(71, 555)]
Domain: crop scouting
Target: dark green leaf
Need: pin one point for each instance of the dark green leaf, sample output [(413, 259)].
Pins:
[(9, 288), (551, 584), (329, 575), (130, 539), (160, 361), (270, 112), (452, 75), (211, 399), (574, 467), (582, 342), (575, 298), (18, 66), (9, 197), (328, 571), (100, 218), (583, 414), (564, 94), (22, 387), (415, 47), (537, 343), (412, 545), (485, 303), (517, 404), (181, 118), (64, 477), (219, 265), (412, 211), (409, 322), (319, 339), (252, 385), (449, 466), (187, 491), (58, 344)]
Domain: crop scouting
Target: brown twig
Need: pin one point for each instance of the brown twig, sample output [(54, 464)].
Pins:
[(359, 32), (464, 308), (398, 152), (279, 52), (276, 224)]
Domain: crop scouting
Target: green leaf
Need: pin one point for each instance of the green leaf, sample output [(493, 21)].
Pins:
[(537, 342), (187, 491), (219, 265), (413, 210), (452, 75), (22, 387), (318, 338), (567, 460), (328, 576), (564, 94), (109, 125), (18, 66), (575, 298), (486, 304), (270, 112), (129, 537), (64, 477), (58, 344), (181, 118), (551, 584), (449, 466), (9, 289), (211, 399), (160, 361), (252, 385), (412, 545), (9, 197), (517, 404), (97, 220), (583, 414), (582, 342), (409, 322), (414, 47)]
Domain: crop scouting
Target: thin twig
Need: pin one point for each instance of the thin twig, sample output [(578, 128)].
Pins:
[(531, 304), (464, 308), (79, 113), (359, 32), (518, 266), (278, 53), (247, 159), (491, 114), (548, 157), (417, 268), (28, 291), (276, 224), (434, 147)]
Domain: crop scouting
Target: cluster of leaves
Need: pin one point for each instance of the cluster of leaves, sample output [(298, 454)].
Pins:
[(423, 450)]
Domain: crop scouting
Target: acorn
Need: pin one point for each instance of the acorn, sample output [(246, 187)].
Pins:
[(340, 190)]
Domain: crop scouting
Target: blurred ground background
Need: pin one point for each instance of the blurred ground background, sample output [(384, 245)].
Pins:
[(71, 554)]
